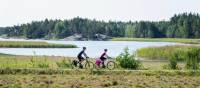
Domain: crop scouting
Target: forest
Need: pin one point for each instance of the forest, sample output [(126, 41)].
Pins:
[(185, 25)]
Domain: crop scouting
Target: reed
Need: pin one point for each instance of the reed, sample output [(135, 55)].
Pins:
[(163, 52), (178, 40)]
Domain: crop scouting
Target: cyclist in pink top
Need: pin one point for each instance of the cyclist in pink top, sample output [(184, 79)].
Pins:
[(103, 57)]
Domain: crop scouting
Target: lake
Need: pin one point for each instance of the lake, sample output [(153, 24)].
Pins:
[(94, 48)]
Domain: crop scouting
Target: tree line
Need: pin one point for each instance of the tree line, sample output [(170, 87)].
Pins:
[(185, 25)]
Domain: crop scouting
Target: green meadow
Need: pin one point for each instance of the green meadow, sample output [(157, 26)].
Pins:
[(55, 72)]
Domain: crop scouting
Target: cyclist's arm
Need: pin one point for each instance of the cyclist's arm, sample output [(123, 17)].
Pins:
[(85, 55), (108, 57)]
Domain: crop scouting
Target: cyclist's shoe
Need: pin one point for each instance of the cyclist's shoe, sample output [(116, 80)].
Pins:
[(81, 66), (75, 63), (103, 66)]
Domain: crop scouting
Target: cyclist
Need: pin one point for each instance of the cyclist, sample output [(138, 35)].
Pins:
[(81, 58), (103, 57)]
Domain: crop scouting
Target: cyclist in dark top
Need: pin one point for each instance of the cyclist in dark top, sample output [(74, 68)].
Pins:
[(81, 58), (103, 57)]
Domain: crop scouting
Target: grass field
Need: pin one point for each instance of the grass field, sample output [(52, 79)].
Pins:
[(87, 79), (55, 72), (178, 40), (29, 44), (7, 61), (55, 62)]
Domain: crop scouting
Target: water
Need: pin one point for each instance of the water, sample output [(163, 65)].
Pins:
[(94, 48)]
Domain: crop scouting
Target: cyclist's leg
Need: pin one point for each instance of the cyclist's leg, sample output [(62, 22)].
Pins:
[(81, 59), (103, 60), (103, 64)]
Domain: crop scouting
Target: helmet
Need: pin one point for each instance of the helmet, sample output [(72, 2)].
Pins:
[(105, 49), (84, 47)]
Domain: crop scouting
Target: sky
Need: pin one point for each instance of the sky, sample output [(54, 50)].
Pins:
[(16, 12)]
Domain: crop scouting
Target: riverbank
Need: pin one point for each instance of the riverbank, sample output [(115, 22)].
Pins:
[(177, 40), (33, 44)]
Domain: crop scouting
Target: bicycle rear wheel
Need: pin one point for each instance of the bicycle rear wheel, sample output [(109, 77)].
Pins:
[(89, 65), (111, 65)]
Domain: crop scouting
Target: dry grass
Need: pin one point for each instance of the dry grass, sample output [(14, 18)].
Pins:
[(98, 81)]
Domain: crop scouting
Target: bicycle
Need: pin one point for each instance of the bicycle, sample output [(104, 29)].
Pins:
[(110, 64), (86, 64)]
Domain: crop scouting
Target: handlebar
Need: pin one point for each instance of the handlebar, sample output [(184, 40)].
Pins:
[(110, 58)]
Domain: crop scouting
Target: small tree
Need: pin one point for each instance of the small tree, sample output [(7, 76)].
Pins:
[(173, 61), (128, 61)]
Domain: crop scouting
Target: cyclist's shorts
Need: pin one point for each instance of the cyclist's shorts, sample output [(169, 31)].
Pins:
[(80, 58), (98, 62)]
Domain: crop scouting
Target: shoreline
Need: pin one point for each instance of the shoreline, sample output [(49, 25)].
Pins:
[(33, 44), (173, 40)]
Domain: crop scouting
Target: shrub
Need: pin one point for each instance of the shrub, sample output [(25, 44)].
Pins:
[(192, 58), (173, 61), (128, 61)]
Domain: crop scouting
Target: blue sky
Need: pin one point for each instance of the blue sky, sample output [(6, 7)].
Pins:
[(16, 12)]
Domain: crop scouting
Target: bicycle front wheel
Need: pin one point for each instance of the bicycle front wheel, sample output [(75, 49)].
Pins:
[(111, 65), (89, 65)]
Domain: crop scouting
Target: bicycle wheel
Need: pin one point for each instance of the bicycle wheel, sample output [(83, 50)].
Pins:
[(111, 65), (89, 65)]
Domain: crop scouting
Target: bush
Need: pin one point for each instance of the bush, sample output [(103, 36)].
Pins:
[(173, 61), (128, 61), (192, 58)]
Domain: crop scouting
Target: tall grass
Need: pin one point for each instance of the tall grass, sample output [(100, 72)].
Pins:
[(179, 40), (29, 44), (191, 58), (31, 62), (64, 63), (163, 52)]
